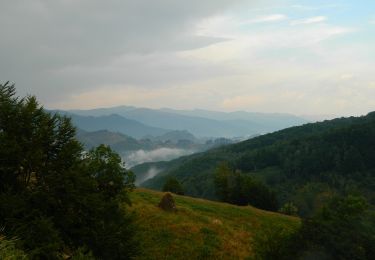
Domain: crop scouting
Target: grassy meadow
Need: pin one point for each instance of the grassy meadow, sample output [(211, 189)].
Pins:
[(201, 229)]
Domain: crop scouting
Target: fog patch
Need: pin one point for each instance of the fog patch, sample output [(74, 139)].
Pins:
[(160, 154), (151, 173)]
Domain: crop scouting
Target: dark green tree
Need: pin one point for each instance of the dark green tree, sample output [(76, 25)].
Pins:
[(221, 179), (172, 185), (54, 197), (343, 229), (240, 189)]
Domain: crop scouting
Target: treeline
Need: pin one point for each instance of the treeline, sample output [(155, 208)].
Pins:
[(57, 201)]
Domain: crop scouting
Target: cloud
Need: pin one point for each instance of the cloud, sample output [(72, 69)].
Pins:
[(151, 173), (267, 18), (311, 20), (45, 45), (214, 54), (248, 46), (347, 76), (160, 154)]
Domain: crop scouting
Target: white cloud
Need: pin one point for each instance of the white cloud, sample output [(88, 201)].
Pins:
[(160, 154), (227, 27), (267, 18), (311, 20), (245, 46)]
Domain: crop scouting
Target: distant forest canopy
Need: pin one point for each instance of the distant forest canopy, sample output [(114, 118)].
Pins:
[(305, 165)]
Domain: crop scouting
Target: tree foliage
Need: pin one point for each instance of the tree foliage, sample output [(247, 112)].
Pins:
[(172, 185), (54, 197), (237, 188), (343, 229)]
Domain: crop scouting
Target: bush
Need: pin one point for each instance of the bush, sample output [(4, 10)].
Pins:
[(275, 242)]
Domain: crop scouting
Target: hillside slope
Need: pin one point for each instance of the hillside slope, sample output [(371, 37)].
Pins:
[(299, 163), (113, 139), (201, 229)]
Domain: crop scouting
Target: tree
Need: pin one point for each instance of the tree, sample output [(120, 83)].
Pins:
[(107, 168), (54, 197), (240, 189), (343, 229), (172, 185), (221, 180)]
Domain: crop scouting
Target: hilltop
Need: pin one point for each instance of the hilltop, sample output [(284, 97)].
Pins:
[(201, 229)]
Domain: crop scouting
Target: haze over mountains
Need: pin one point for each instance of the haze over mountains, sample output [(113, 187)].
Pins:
[(115, 123), (145, 135), (136, 151), (201, 123)]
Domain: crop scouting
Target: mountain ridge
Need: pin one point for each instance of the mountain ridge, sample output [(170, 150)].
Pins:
[(203, 123)]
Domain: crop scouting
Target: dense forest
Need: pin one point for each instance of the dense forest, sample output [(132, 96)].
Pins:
[(305, 165)]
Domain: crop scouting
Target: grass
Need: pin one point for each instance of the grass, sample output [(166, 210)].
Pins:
[(201, 229), (8, 250)]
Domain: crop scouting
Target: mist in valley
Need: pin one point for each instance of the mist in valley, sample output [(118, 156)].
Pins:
[(160, 154)]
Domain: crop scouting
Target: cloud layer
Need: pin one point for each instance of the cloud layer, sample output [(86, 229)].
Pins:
[(267, 56)]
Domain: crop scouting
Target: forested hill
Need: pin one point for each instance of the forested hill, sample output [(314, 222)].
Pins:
[(305, 165)]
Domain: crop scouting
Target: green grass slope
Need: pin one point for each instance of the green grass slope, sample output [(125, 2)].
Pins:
[(201, 229)]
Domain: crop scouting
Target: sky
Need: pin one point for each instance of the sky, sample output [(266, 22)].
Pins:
[(290, 56)]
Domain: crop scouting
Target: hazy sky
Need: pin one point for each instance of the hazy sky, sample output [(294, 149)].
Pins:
[(295, 56)]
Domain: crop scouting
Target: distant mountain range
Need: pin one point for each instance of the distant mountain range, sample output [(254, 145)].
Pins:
[(140, 122), (145, 135), (114, 123)]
